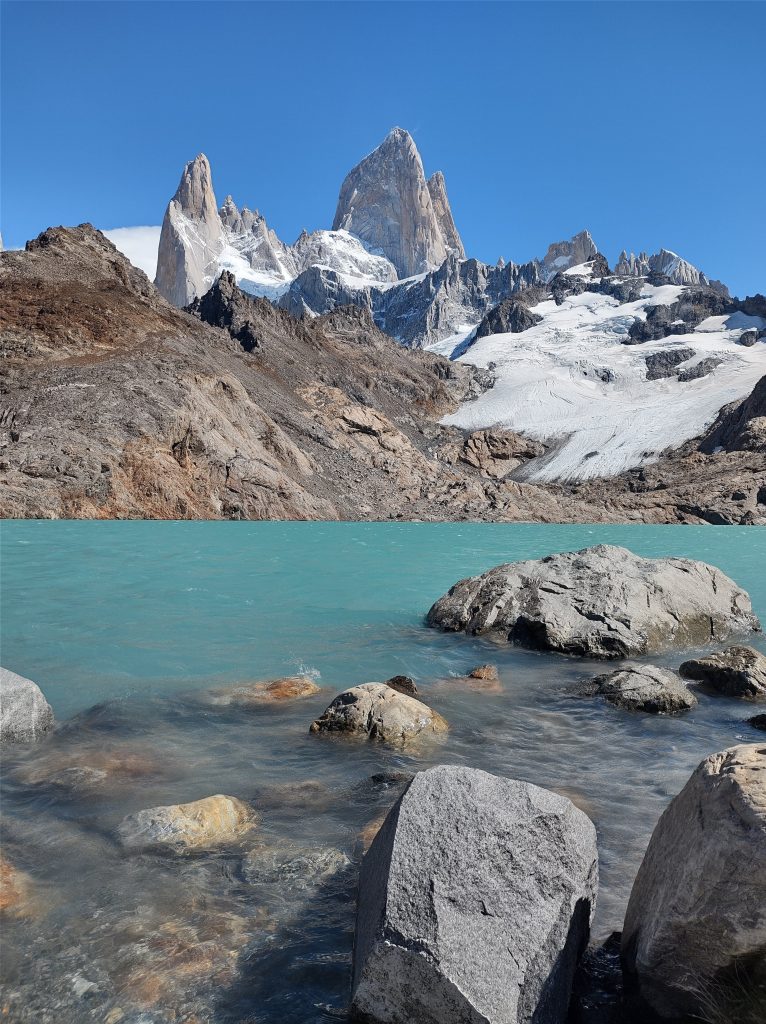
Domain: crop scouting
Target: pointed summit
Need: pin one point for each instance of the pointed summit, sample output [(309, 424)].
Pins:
[(386, 202), (437, 188), (191, 238)]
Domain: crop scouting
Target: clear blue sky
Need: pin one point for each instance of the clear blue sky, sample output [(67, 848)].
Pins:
[(642, 121)]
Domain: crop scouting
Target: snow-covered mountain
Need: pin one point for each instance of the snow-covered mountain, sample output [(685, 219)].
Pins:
[(608, 366)]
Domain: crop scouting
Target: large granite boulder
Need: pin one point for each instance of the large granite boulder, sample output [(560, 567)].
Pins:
[(657, 691), (185, 828), (25, 714), (377, 711), (475, 900), (695, 928), (736, 671), (602, 602)]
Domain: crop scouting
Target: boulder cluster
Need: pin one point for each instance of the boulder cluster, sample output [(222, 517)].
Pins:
[(476, 892)]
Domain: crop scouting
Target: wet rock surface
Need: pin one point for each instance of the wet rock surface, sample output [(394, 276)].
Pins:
[(656, 691), (182, 828), (274, 691), (451, 925), (375, 711), (25, 714), (695, 928), (735, 672), (602, 602)]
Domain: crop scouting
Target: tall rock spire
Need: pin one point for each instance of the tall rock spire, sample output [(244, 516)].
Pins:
[(437, 189), (387, 203), (192, 237)]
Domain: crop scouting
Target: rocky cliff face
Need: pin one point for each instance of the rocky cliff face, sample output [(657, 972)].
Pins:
[(248, 233), (386, 202), (192, 236), (437, 188)]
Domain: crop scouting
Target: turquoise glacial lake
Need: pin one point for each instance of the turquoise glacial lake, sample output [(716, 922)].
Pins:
[(127, 627)]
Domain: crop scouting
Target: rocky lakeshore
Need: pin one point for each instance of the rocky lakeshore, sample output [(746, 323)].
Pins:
[(487, 831)]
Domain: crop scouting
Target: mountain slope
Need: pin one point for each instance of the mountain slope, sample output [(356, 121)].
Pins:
[(115, 404)]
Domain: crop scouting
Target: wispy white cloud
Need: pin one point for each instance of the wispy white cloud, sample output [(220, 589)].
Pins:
[(139, 245)]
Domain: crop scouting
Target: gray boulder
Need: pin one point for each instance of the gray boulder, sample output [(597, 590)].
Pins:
[(376, 711), (657, 691), (737, 671), (475, 901), (602, 602), (25, 714), (695, 929)]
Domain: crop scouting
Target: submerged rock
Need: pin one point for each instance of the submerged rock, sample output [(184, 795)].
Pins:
[(601, 602), (737, 671), (25, 714), (376, 712), (485, 672), (475, 900), (272, 692), (657, 691), (15, 889), (695, 928), (758, 722), (182, 828), (299, 866)]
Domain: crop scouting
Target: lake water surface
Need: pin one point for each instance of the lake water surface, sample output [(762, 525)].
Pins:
[(126, 626)]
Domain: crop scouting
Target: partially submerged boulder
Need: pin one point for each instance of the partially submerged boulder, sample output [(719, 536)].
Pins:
[(273, 691), (375, 711), (15, 889), (758, 722), (25, 714), (487, 673), (737, 671), (695, 927), (183, 828), (475, 900), (657, 691), (602, 602)]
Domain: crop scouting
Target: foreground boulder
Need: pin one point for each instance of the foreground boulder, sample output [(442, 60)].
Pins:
[(735, 672), (25, 714), (695, 928), (657, 691), (475, 900), (602, 602), (183, 828), (376, 711)]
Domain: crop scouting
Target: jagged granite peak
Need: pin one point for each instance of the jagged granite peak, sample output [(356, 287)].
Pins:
[(249, 234), (437, 188), (386, 202), (192, 236), (580, 248), (668, 264)]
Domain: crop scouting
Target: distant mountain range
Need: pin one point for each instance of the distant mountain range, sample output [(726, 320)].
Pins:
[(394, 249)]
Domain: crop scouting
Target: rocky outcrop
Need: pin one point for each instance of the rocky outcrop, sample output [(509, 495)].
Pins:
[(495, 453), (602, 602), (185, 828), (511, 316), (656, 691), (734, 672), (475, 900), (665, 264), (740, 426), (699, 369), (562, 255), (25, 714), (376, 711), (192, 237), (665, 363), (403, 684), (695, 929), (385, 200)]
